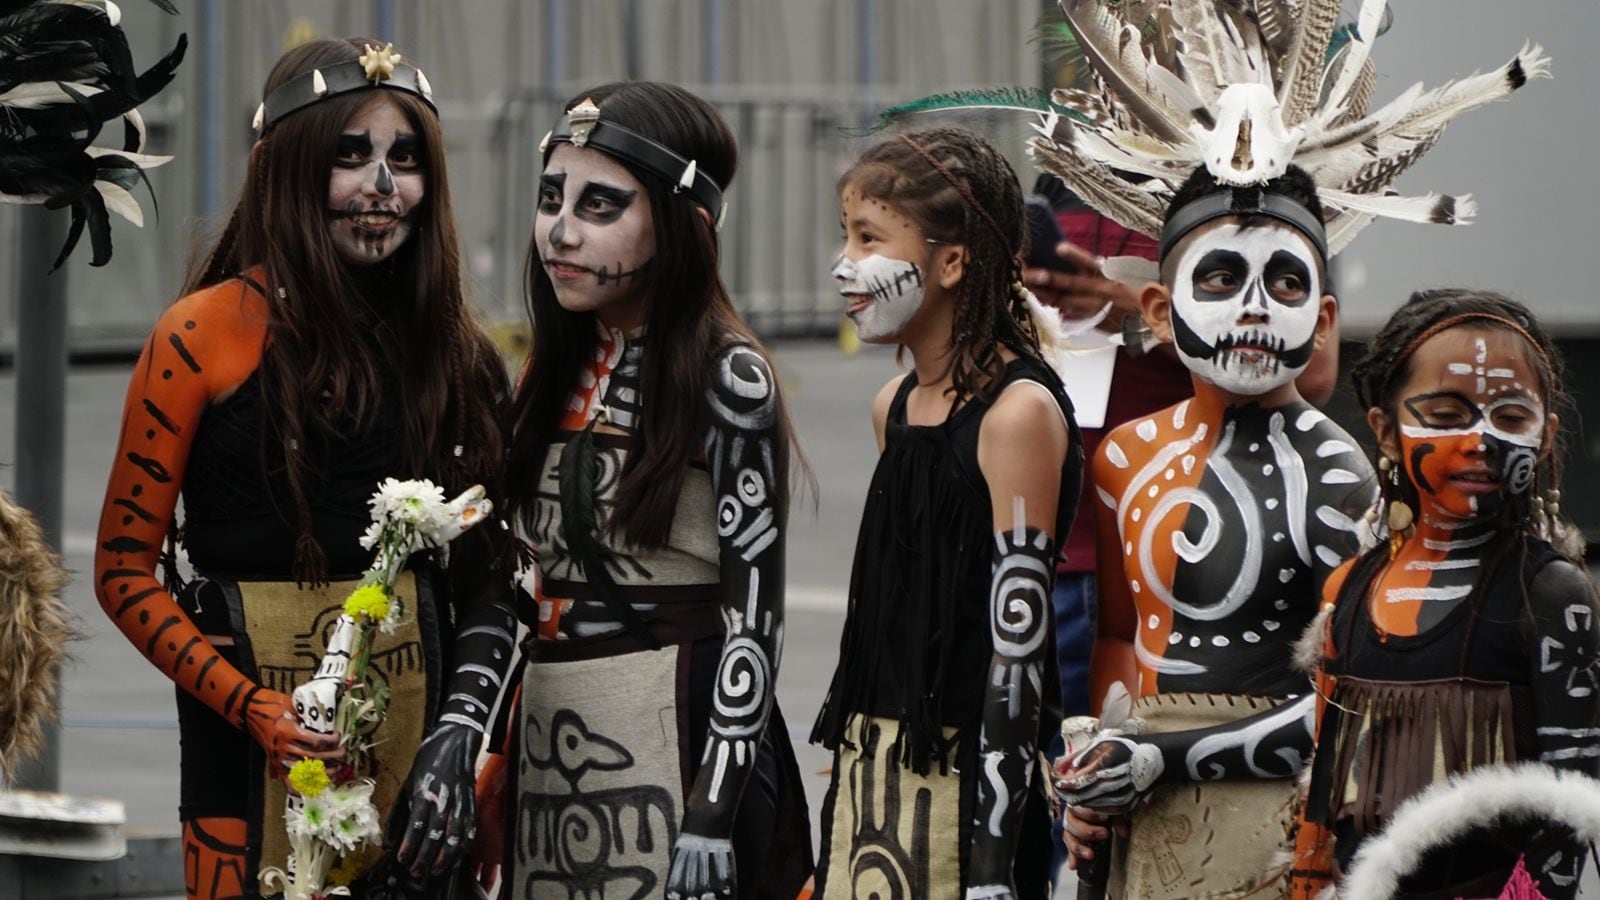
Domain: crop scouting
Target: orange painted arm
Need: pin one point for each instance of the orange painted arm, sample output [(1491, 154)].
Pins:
[(1116, 617), (1313, 845), (205, 344)]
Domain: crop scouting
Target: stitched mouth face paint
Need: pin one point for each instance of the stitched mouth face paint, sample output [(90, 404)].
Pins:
[(882, 287), (594, 230), (1471, 431), (881, 294), (1244, 306), (378, 182)]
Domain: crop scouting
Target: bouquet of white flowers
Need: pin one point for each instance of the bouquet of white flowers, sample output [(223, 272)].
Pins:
[(330, 814)]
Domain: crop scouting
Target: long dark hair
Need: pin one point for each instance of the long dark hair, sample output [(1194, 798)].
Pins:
[(319, 368), (959, 189), (691, 319)]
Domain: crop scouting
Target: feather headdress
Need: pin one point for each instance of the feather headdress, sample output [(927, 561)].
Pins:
[(1245, 88), (66, 73)]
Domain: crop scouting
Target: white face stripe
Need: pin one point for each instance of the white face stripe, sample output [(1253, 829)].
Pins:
[(893, 287), (1217, 322)]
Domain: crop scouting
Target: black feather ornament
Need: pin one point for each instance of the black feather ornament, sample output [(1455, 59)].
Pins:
[(66, 71)]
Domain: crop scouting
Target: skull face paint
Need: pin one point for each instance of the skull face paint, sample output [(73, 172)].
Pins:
[(594, 232), (1471, 425), (377, 183), (883, 294), (1245, 302), (882, 286)]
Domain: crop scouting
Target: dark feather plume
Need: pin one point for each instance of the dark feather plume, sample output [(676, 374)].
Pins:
[(69, 72)]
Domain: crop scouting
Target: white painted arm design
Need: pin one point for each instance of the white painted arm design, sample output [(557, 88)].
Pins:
[(750, 484)]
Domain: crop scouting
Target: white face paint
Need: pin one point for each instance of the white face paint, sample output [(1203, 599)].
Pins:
[(1244, 306), (377, 183), (594, 232), (883, 294)]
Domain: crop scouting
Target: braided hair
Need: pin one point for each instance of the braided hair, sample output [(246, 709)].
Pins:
[(1381, 373), (959, 189)]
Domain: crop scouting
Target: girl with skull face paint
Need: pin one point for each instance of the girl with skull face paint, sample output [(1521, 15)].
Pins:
[(650, 472), (1470, 637), (1219, 520), (323, 345), (946, 686)]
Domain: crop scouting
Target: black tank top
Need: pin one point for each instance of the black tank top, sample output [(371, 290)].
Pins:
[(240, 517), (917, 645)]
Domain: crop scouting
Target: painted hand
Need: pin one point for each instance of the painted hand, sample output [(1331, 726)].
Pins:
[(269, 719), (436, 819), (702, 868), (1111, 774)]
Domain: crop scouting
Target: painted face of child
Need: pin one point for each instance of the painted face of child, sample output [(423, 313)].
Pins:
[(595, 233), (377, 184), (1245, 302), (1471, 421), (880, 270)]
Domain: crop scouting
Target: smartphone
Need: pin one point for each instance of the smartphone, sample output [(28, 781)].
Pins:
[(1044, 233)]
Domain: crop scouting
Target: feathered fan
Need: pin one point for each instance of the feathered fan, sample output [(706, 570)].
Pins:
[(65, 73), (1247, 87)]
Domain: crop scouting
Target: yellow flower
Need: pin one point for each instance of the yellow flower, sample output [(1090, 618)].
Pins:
[(309, 777), (369, 600)]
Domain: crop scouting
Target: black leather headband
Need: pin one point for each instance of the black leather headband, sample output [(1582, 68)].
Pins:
[(1243, 202), (377, 68), (582, 127)]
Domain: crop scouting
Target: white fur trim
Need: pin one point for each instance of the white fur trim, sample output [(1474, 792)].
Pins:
[(1308, 649), (1446, 811)]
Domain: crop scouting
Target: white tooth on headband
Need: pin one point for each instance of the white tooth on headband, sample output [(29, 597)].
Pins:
[(687, 180), (261, 116), (319, 86)]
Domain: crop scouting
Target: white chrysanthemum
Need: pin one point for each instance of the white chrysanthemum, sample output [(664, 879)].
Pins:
[(354, 818), (317, 817), (419, 503), (369, 541)]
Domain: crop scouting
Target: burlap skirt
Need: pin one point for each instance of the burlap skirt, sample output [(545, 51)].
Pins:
[(887, 831), (281, 633), (1215, 839)]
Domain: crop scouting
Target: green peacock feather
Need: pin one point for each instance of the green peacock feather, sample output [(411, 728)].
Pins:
[(1008, 99)]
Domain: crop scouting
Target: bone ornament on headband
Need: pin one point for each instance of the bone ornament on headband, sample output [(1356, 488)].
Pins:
[(582, 127), (377, 67)]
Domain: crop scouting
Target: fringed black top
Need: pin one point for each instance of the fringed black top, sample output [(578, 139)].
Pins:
[(917, 645), (1406, 711)]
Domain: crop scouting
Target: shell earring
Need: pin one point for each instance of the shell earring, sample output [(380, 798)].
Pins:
[(1399, 516)]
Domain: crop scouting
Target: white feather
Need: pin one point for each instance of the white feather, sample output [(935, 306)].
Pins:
[(1355, 54), (1410, 209), (120, 202), (1437, 107), (144, 160), (1052, 336), (36, 94)]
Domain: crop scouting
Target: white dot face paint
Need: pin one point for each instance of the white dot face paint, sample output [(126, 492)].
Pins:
[(1244, 306), (377, 183), (594, 232), (882, 295)]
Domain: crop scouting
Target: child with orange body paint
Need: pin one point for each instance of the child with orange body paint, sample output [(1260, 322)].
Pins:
[(1473, 619)]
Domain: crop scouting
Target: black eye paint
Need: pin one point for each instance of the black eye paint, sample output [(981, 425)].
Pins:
[(353, 145), (1225, 260), (1285, 263), (614, 201), (407, 144)]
